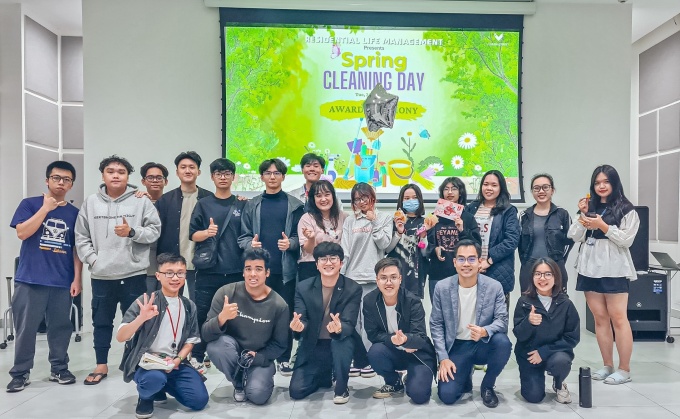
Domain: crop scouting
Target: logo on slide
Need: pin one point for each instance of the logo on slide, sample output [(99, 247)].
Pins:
[(498, 37)]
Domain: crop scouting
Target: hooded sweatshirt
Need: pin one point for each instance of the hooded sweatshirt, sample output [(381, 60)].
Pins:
[(109, 256)]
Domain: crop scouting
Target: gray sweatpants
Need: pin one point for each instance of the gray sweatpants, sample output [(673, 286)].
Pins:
[(225, 352), (30, 304)]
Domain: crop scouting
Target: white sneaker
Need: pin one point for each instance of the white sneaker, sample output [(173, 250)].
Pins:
[(341, 398), (563, 395), (198, 366), (239, 395)]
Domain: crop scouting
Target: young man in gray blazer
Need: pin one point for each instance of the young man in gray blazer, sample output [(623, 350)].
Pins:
[(469, 326)]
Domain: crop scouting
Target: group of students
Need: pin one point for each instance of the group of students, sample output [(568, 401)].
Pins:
[(350, 284)]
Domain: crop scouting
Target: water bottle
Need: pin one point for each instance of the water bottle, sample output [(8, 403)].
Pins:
[(585, 388)]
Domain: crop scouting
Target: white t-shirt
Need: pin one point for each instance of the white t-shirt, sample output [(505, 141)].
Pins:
[(484, 219), (546, 301), (392, 320), (467, 301)]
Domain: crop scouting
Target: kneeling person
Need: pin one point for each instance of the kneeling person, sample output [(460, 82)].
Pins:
[(394, 320), (324, 321), (163, 323), (247, 329)]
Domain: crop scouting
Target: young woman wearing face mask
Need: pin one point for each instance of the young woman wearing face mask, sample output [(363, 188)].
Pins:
[(409, 239), (442, 238), (544, 228)]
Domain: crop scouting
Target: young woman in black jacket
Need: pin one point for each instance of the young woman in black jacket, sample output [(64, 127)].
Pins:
[(547, 328), (544, 227)]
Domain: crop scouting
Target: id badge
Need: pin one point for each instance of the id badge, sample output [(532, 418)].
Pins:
[(590, 241)]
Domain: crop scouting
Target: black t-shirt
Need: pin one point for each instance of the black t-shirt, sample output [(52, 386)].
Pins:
[(273, 213), (228, 251)]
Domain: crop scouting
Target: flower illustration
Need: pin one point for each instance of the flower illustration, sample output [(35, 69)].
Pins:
[(296, 168), (238, 163), (246, 166), (437, 167), (285, 161), (311, 145), (467, 141), (478, 168), (457, 162)]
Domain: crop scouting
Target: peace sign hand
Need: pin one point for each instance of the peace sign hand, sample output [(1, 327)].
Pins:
[(147, 309), (334, 326)]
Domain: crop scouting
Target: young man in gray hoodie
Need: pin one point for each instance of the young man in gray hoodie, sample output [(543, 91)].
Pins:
[(114, 232)]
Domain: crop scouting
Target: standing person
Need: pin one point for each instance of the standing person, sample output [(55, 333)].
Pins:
[(155, 179), (544, 227), (270, 221), (321, 223), (312, 166), (114, 232), (443, 237), (365, 236), (547, 328), (247, 329), (394, 320), (175, 208), (163, 322), (47, 278), (324, 321), (409, 238), (606, 228), (208, 218), (499, 227)]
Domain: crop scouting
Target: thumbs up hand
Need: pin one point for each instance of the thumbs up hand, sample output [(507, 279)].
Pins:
[(256, 243), (229, 311), (212, 229), (296, 324), (122, 230), (284, 243), (535, 318)]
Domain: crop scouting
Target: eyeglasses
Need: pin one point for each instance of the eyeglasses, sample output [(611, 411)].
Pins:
[(392, 279), (331, 259), (269, 174), (154, 178), (223, 174), (546, 275), (362, 199), (538, 188), (451, 189), (471, 260), (57, 179), (179, 275)]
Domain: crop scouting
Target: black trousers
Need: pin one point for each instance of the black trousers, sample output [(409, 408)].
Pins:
[(532, 377), (317, 372), (287, 292)]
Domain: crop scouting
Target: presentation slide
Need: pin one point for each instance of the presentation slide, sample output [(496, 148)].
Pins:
[(296, 89)]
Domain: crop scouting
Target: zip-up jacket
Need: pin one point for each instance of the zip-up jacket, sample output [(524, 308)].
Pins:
[(556, 229)]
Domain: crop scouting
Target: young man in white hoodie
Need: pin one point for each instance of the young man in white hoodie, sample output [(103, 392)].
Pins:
[(114, 232)]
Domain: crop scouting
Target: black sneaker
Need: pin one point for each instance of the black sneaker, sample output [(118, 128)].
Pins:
[(18, 383), (285, 369), (144, 409), (489, 398), (388, 390), (342, 398), (63, 377), (160, 398)]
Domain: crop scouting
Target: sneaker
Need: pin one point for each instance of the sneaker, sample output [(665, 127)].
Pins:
[(480, 368), (239, 395), (18, 383), (354, 372), (367, 372), (160, 398), (207, 362), (198, 366), (388, 390), (563, 395), (341, 399), (489, 398), (144, 409), (63, 377), (285, 369)]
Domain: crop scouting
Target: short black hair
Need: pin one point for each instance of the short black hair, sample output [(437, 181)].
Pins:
[(221, 164), (63, 165), (115, 159), (311, 157), (462, 192), (171, 258), (257, 253), (328, 249), (191, 155), (467, 243), (557, 275), (151, 165), (386, 263), (280, 166)]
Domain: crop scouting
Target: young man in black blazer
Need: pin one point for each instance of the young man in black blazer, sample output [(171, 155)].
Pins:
[(326, 310)]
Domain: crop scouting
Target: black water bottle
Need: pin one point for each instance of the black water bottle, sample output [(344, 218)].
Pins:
[(585, 388)]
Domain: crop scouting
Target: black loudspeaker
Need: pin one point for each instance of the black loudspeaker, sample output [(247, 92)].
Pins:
[(647, 308), (639, 250)]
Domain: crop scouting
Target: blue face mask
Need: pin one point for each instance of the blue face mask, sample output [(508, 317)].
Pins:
[(410, 205)]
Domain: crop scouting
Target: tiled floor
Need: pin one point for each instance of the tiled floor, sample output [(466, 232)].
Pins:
[(653, 393)]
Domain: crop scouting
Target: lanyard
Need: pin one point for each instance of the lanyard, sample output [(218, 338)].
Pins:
[(173, 326)]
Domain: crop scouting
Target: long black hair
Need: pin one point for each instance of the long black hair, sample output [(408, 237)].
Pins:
[(503, 200), (322, 186), (617, 202), (462, 192), (419, 196)]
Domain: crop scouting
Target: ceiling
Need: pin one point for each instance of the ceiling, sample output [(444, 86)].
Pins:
[(65, 16)]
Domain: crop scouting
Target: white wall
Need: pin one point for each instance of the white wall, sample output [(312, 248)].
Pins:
[(152, 88)]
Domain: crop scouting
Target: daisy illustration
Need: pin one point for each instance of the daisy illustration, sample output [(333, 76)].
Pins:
[(285, 161), (246, 166), (311, 145), (457, 162), (238, 163), (296, 168), (467, 141), (478, 168)]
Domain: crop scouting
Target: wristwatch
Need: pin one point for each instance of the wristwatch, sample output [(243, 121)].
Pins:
[(131, 234)]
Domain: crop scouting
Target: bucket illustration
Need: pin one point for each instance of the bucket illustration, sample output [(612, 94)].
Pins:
[(400, 172), (364, 172)]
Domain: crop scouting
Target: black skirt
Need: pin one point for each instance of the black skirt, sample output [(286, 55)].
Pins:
[(606, 285)]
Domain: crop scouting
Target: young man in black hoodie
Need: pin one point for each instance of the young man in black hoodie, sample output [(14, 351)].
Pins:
[(394, 320), (324, 321)]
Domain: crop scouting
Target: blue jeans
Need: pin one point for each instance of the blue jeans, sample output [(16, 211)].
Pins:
[(465, 354), (385, 360), (184, 384)]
